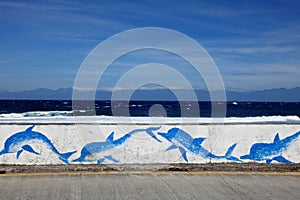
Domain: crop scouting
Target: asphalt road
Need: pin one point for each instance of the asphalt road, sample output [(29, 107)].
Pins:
[(150, 186)]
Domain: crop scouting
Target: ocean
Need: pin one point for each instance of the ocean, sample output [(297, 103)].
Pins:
[(36, 108)]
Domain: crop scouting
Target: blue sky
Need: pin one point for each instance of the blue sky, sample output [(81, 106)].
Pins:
[(255, 44)]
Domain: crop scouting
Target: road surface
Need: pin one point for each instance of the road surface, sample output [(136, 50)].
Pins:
[(150, 186)]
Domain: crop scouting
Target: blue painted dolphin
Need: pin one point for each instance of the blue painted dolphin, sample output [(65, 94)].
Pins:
[(19, 142), (271, 151), (93, 148), (184, 142)]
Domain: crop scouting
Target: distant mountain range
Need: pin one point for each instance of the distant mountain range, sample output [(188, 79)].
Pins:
[(270, 95)]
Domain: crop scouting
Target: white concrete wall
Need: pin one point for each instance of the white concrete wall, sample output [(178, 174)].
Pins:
[(141, 148)]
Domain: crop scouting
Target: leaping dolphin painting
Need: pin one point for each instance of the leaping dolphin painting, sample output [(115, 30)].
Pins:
[(185, 143), (94, 148), (271, 151), (19, 142)]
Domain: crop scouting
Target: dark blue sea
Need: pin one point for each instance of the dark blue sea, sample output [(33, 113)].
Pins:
[(142, 108)]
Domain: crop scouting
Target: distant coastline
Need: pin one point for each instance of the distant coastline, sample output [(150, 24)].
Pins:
[(269, 95)]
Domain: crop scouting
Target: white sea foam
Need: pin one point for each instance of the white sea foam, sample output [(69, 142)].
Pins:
[(59, 117), (12, 115), (37, 114)]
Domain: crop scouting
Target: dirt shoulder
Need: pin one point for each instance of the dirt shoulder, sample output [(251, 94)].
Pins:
[(247, 167)]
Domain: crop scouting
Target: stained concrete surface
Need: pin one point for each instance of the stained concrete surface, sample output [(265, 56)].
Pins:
[(150, 186)]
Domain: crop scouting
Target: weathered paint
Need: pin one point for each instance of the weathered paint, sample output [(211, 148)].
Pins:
[(145, 144)]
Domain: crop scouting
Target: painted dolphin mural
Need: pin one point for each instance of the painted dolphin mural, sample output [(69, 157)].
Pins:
[(271, 151), (19, 142), (94, 148), (184, 142)]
